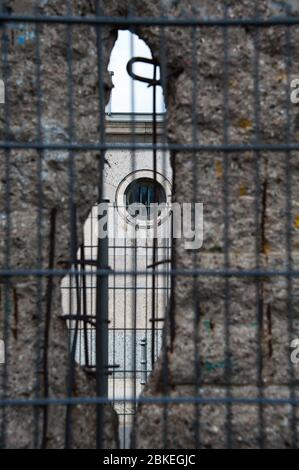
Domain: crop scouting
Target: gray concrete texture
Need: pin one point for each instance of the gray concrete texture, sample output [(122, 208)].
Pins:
[(23, 300), (197, 311)]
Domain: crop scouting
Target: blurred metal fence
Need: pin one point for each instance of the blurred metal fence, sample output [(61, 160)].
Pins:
[(97, 341), (133, 342)]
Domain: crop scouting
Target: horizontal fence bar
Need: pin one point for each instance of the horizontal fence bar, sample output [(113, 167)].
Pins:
[(72, 288), (77, 147), (151, 21), (149, 401), (173, 272)]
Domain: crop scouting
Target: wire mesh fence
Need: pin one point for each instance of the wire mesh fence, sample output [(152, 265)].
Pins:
[(182, 330)]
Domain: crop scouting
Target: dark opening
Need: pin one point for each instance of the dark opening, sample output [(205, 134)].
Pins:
[(145, 191)]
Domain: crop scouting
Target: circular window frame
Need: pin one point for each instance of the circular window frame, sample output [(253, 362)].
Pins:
[(120, 197)]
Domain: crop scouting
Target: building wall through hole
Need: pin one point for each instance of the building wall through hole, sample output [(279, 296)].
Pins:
[(134, 337)]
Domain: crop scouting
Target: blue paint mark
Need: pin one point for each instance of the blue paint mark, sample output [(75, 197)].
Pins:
[(26, 36), (21, 40), (213, 366)]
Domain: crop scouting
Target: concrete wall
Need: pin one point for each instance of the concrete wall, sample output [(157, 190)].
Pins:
[(37, 188), (197, 317)]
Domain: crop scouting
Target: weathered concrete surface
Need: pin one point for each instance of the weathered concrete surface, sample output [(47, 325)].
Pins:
[(257, 312), (37, 188)]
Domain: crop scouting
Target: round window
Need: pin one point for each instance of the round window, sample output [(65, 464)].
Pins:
[(144, 192), (135, 195)]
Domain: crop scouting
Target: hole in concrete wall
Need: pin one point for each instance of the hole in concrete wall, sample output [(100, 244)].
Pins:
[(127, 95), (136, 304)]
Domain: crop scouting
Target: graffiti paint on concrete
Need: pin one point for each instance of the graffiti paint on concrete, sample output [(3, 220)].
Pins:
[(26, 36), (20, 34)]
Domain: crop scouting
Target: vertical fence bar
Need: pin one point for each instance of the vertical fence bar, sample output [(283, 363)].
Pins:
[(154, 253), (289, 237), (195, 191), (40, 241), (102, 255), (226, 241), (102, 322), (7, 262), (258, 224), (85, 308)]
